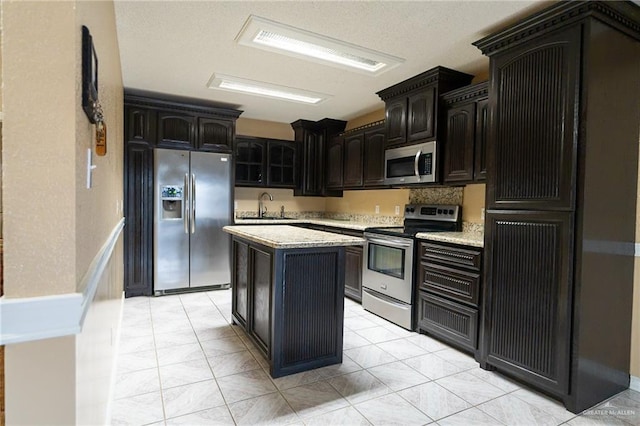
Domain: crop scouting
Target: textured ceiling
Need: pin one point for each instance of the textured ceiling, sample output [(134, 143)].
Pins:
[(174, 47)]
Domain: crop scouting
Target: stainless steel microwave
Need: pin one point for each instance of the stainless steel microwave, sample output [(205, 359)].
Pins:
[(411, 164)]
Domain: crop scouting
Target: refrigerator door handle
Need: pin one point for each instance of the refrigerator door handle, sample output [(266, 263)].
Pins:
[(193, 203), (185, 204)]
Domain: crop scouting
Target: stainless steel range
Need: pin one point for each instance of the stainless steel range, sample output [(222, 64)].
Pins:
[(388, 269)]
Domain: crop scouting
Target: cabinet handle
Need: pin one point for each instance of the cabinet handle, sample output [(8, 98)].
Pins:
[(193, 203), (415, 163), (185, 203)]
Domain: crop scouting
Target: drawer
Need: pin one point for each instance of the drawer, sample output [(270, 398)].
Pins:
[(462, 286), (453, 323), (468, 257)]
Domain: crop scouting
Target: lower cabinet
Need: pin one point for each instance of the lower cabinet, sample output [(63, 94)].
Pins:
[(449, 278), (353, 273)]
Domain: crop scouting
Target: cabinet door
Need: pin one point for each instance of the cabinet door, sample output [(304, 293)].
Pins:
[(353, 160), (534, 104), (374, 143), (240, 279), (261, 284), (334, 163), (421, 115), (396, 121), (281, 160), (215, 135), (353, 273), (250, 162), (312, 169), (528, 293), (176, 130), (141, 125), (138, 209), (482, 122), (460, 137)]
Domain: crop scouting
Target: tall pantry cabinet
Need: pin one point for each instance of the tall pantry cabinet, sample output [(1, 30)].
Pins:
[(564, 124)]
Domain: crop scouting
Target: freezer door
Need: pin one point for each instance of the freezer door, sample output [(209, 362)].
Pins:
[(210, 246), (170, 222)]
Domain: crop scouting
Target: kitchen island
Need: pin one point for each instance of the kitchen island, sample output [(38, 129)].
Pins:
[(288, 293)]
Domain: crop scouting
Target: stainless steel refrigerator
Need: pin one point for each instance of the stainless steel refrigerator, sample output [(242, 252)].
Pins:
[(192, 204)]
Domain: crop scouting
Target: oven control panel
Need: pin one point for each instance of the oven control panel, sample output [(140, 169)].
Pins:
[(441, 212)]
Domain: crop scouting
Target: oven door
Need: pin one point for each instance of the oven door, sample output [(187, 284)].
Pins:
[(388, 266)]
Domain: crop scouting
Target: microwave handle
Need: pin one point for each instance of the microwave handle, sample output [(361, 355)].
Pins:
[(415, 163)]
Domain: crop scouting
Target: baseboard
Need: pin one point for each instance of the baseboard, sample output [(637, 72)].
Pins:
[(635, 383), (114, 367), (25, 319)]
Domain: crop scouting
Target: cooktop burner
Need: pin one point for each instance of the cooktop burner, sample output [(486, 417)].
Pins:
[(424, 218)]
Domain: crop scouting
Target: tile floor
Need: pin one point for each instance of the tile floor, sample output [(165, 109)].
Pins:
[(181, 362)]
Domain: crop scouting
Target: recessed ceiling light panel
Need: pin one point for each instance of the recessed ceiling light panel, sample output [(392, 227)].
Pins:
[(280, 38), (259, 88)]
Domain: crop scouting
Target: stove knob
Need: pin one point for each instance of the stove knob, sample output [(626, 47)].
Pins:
[(439, 211), (407, 210), (450, 211), (412, 209)]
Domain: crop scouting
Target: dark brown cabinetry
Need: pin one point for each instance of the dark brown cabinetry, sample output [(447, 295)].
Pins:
[(264, 162), (312, 138), (465, 134), (557, 293), (154, 120), (290, 302), (355, 159), (411, 107), (449, 278)]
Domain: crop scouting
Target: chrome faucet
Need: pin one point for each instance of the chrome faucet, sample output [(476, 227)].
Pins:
[(261, 207)]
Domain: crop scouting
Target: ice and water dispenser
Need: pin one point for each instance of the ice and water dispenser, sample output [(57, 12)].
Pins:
[(172, 199)]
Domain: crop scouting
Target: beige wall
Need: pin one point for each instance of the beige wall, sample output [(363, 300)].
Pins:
[(473, 203), (54, 225), (247, 201), (365, 202), (264, 129), (365, 119)]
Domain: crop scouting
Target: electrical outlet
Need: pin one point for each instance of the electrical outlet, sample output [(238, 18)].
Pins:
[(482, 214), (377, 209), (397, 210), (235, 205)]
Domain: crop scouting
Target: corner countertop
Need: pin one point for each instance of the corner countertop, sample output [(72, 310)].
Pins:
[(286, 237), (346, 224), (468, 238)]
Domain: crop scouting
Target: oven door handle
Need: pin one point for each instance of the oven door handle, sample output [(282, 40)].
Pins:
[(392, 243), (386, 299), (415, 163)]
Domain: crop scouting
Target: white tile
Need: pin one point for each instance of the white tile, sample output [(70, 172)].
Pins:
[(347, 366), (174, 338), (596, 420), (136, 344), (457, 358), (378, 334), (226, 365), (137, 383), (513, 411), (402, 349), (171, 325), (179, 353), (298, 379), (392, 410), (357, 323), (369, 356), (432, 366), (136, 361), (351, 339), (427, 343), (215, 331), (269, 409), (548, 405), (314, 399), (434, 400), (496, 379), (249, 384), (470, 388), (623, 408), (184, 373), (137, 410), (190, 398), (219, 416), (223, 346), (220, 296), (347, 416), (359, 386), (470, 417), (398, 376)]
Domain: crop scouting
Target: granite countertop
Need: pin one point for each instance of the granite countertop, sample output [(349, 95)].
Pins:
[(347, 224), (285, 237), (474, 239)]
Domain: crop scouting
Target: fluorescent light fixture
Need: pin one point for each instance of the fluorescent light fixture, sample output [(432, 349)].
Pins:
[(280, 38), (259, 88)]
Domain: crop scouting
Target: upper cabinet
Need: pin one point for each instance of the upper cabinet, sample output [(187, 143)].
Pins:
[(312, 138), (465, 137), (411, 107), (181, 123), (264, 162)]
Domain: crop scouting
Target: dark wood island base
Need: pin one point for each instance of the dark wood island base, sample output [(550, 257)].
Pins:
[(290, 301)]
